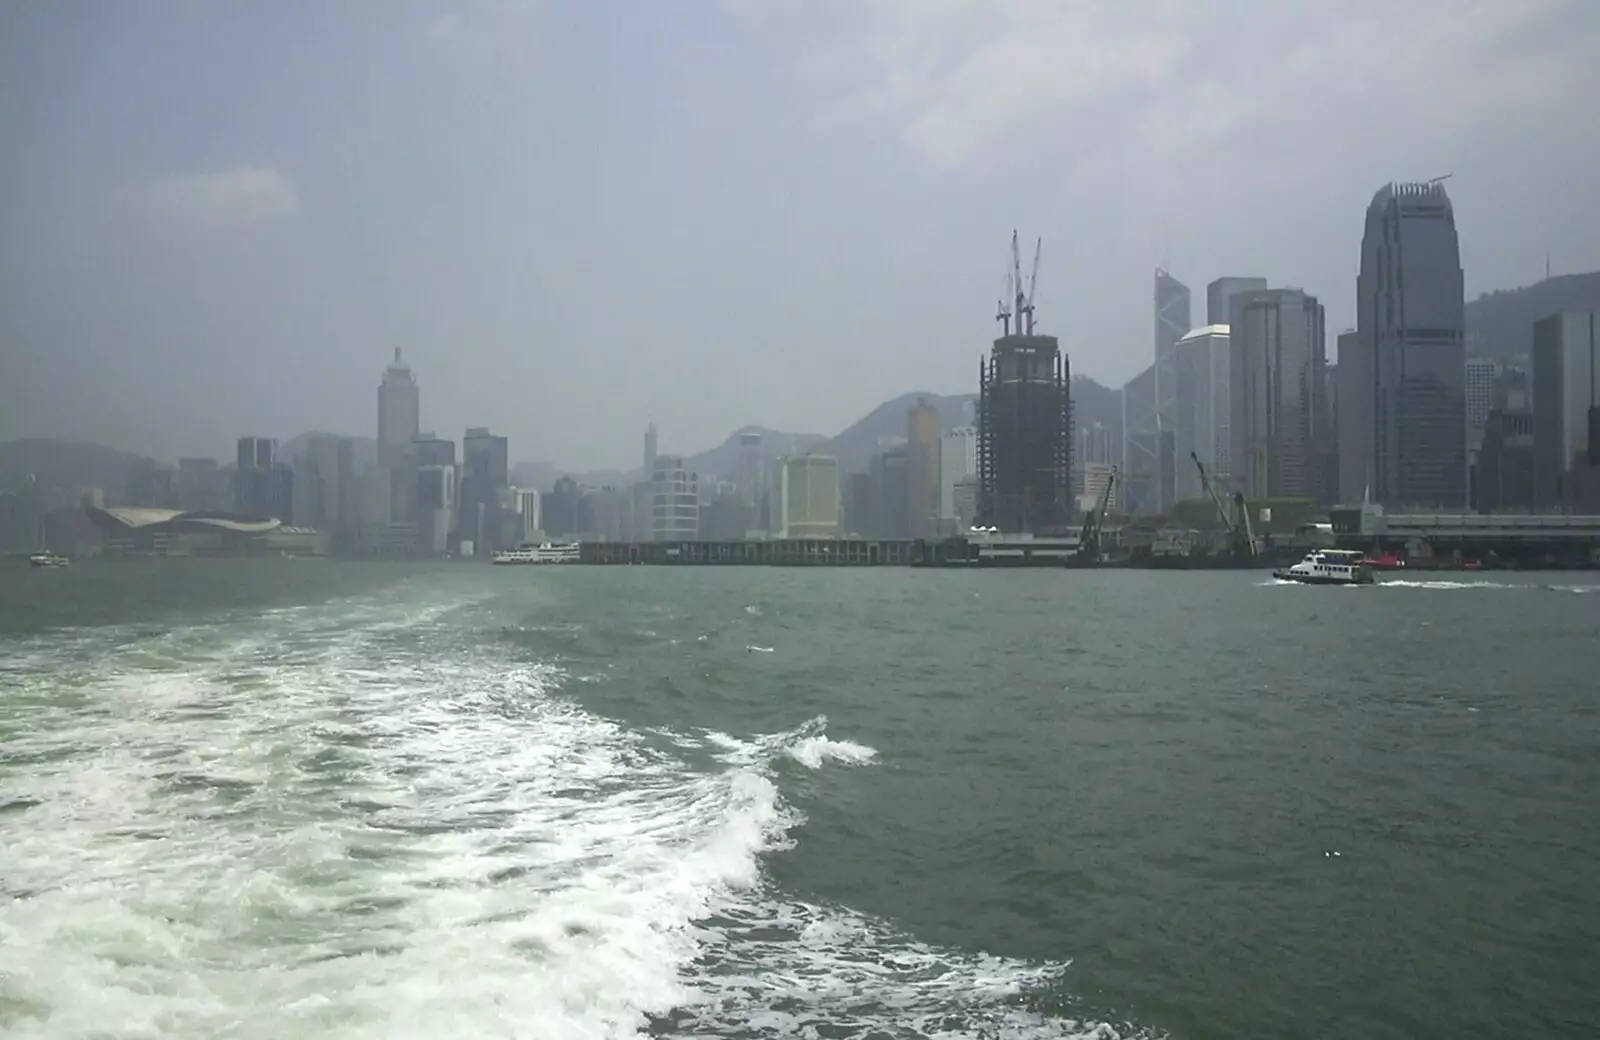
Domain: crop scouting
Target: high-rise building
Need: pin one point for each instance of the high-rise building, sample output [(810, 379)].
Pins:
[(262, 486), (399, 410), (676, 501), (1278, 422), (1025, 428), (752, 470), (532, 517), (1566, 401), (1503, 477), (1096, 444), (922, 468), (1149, 403), (202, 486), (1480, 379), (810, 494), (429, 449), (324, 483), (485, 473), (958, 458), (1220, 294), (1202, 414), (890, 478), (436, 506), (649, 449), (1355, 418), (1403, 401)]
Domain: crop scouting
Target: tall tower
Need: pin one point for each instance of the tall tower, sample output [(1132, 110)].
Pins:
[(1278, 398), (1024, 422), (922, 469), (650, 452), (1220, 293), (399, 411), (1405, 419)]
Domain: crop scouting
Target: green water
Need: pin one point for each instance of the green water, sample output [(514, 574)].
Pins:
[(321, 799)]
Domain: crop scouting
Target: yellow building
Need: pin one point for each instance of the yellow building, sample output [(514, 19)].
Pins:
[(809, 488)]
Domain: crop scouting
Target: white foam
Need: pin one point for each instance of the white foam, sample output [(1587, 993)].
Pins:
[(251, 829)]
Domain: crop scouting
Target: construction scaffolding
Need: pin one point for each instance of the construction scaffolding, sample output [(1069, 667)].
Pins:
[(1025, 423)]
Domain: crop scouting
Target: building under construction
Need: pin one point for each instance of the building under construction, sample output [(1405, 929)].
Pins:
[(1024, 420)]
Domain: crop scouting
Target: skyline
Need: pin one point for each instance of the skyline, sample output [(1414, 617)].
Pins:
[(754, 212)]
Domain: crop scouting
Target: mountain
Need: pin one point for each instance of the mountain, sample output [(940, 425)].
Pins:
[(1500, 323), (363, 453), (855, 445), (69, 465)]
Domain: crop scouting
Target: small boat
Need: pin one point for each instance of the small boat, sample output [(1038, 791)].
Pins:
[(48, 559), (545, 553), (1328, 567), (1385, 562)]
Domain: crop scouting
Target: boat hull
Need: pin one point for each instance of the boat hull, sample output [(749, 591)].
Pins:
[(1323, 579)]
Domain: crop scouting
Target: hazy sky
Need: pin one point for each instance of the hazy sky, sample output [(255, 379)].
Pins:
[(578, 215)]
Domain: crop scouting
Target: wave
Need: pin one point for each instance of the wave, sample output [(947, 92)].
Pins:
[(353, 820)]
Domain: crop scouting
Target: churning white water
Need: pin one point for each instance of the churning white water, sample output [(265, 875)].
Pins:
[(365, 819)]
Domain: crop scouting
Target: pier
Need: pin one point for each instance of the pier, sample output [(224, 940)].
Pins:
[(988, 551)]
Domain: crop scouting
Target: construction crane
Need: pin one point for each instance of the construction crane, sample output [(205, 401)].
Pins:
[(1015, 301), (1089, 545), (1436, 180), (1241, 538), (1003, 312)]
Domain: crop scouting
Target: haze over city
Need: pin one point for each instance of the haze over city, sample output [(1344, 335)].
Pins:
[(577, 217)]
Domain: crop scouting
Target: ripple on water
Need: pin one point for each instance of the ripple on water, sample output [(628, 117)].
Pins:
[(440, 846)]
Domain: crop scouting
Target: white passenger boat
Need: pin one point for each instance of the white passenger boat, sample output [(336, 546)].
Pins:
[(1328, 567), (544, 553), (48, 559)]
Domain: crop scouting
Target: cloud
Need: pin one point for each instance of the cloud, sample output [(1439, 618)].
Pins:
[(486, 29), (241, 199), (1159, 78)]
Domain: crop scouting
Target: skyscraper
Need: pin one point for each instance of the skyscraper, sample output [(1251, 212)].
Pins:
[(1406, 417), (922, 469), (1566, 400), (399, 410), (1024, 422), (1277, 373), (1149, 403), (1201, 423), (1025, 436), (484, 475), (1220, 293)]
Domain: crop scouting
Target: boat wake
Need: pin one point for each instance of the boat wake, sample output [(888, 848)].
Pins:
[(355, 821)]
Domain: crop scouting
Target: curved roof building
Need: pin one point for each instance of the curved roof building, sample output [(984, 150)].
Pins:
[(126, 521)]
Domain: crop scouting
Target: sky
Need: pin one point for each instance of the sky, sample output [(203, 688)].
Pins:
[(579, 216)]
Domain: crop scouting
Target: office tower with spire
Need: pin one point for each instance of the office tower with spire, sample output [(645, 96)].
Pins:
[(399, 409), (1024, 419)]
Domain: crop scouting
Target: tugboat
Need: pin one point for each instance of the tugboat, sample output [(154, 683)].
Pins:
[(1328, 567)]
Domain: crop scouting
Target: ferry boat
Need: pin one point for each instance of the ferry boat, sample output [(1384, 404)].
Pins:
[(544, 553), (48, 559), (1328, 567)]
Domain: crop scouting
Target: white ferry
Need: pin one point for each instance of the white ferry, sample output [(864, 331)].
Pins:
[(48, 559), (544, 553), (1328, 567)]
